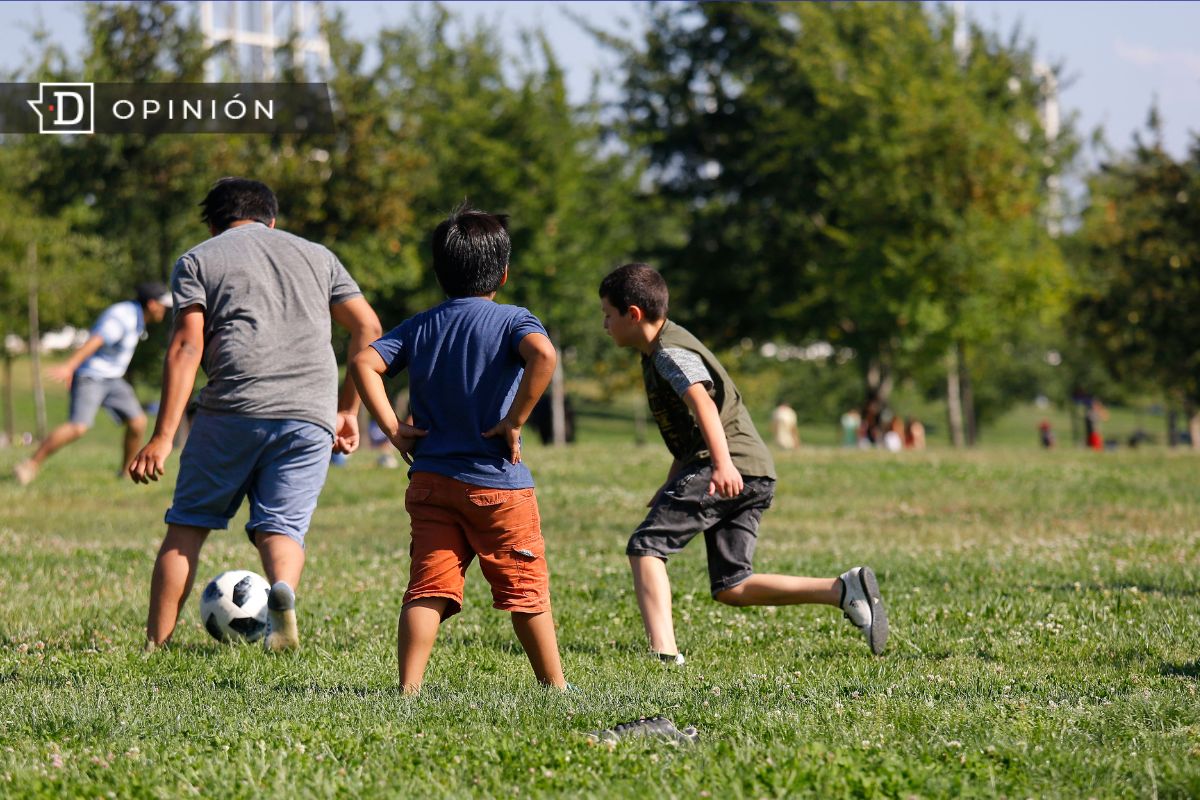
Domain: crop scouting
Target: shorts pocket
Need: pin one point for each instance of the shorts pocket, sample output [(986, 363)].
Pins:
[(416, 495), (527, 565), (678, 489), (487, 498)]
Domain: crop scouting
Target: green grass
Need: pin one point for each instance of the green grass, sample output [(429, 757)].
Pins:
[(1044, 610)]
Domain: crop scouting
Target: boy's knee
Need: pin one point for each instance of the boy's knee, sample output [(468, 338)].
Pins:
[(733, 596), (77, 429), (137, 425)]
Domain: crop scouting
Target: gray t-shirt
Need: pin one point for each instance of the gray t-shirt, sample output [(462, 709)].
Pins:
[(266, 296)]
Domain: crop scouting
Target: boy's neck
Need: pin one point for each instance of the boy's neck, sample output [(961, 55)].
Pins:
[(650, 332)]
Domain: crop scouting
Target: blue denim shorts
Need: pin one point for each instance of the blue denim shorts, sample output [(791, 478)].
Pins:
[(280, 464)]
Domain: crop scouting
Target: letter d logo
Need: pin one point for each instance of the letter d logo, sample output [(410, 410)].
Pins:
[(65, 108)]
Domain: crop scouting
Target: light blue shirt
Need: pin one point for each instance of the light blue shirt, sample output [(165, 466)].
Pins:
[(121, 327)]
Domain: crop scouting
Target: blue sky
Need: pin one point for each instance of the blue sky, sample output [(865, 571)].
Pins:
[(1118, 56)]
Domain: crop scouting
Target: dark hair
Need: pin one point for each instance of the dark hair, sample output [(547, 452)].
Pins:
[(470, 252), (151, 290), (231, 200), (636, 285)]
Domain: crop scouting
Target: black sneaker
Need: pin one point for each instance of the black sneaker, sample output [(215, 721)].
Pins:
[(657, 727)]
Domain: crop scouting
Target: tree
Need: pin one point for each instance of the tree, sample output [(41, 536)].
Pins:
[(1141, 237), (848, 176)]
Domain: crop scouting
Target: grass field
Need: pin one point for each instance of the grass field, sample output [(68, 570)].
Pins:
[(1044, 610)]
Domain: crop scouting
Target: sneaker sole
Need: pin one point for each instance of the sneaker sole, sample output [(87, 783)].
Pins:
[(877, 635)]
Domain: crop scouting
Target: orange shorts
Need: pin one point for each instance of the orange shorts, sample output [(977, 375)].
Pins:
[(452, 522)]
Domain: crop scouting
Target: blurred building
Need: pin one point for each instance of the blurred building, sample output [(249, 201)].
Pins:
[(262, 37)]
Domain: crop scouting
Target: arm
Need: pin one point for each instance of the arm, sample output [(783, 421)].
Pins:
[(179, 376), (540, 359), (357, 317), (726, 480), (367, 370), (63, 373)]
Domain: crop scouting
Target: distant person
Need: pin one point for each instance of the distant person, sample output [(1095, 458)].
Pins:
[(1094, 413), (1045, 434), (850, 422), (914, 434), (253, 306), (721, 481), (893, 438), (95, 375), (542, 419), (382, 445), (870, 431), (784, 429), (476, 370)]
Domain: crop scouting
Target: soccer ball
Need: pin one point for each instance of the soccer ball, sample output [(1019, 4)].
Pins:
[(234, 606)]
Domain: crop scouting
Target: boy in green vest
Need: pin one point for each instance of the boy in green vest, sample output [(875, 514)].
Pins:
[(721, 481)]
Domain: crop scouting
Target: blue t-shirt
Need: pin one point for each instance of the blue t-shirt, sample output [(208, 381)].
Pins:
[(464, 370), (121, 327)]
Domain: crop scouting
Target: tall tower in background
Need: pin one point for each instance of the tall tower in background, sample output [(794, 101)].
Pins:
[(1048, 112), (256, 30)]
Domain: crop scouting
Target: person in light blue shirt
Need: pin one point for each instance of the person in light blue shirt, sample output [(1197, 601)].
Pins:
[(95, 374)]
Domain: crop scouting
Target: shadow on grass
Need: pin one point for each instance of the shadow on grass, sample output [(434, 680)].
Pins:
[(1188, 669)]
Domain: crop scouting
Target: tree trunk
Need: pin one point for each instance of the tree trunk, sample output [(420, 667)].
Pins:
[(35, 346), (954, 409), (968, 397), (879, 380), (1073, 405), (1172, 428), (558, 403), (10, 431), (1194, 426)]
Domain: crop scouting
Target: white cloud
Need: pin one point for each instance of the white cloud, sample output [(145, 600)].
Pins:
[(1144, 56)]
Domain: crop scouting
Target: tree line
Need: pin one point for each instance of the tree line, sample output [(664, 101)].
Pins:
[(849, 173)]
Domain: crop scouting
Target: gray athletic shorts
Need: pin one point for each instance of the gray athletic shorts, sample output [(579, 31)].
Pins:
[(730, 525), (89, 394)]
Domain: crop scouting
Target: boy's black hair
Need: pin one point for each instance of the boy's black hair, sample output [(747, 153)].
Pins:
[(152, 290), (231, 200), (636, 285), (470, 252)]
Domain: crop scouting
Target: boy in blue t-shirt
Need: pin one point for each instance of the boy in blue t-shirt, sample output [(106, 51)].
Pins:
[(476, 370)]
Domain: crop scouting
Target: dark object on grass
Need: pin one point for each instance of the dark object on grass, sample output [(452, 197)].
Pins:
[(655, 727)]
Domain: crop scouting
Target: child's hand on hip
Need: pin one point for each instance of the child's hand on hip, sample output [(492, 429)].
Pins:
[(726, 481), (510, 432)]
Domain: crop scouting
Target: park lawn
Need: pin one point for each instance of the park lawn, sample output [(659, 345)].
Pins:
[(1044, 609)]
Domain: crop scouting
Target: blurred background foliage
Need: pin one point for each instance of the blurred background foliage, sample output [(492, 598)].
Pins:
[(846, 203)]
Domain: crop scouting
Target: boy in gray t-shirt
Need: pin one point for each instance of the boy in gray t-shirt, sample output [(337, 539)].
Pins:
[(253, 306), (721, 481)]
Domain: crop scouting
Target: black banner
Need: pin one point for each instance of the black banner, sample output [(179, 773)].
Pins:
[(157, 108)]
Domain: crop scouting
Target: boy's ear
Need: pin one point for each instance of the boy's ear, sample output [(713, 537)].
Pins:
[(504, 278), (636, 313)]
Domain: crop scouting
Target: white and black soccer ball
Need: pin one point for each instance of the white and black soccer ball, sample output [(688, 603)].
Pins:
[(234, 606)]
